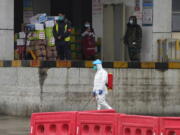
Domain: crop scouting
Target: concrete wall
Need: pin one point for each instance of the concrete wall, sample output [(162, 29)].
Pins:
[(7, 29), (136, 91), (162, 23)]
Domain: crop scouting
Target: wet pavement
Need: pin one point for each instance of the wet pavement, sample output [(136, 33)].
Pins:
[(14, 125)]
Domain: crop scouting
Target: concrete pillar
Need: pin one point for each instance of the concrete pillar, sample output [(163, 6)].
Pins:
[(97, 17), (108, 33), (6, 29)]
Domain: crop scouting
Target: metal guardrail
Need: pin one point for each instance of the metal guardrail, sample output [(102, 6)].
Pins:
[(168, 50)]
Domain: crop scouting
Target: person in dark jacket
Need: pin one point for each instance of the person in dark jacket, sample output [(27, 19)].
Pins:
[(61, 32), (133, 39)]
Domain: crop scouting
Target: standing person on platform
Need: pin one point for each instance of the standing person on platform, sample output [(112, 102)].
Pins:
[(61, 32), (133, 39), (88, 42)]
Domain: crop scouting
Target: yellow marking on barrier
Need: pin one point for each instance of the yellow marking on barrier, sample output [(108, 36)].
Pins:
[(174, 65), (177, 45), (1, 63), (16, 63), (149, 65), (120, 64), (63, 64), (88, 64)]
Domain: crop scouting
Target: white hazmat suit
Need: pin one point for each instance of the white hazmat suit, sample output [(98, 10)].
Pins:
[(100, 89)]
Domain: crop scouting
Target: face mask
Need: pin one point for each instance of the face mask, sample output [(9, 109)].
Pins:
[(94, 67), (131, 21), (61, 18), (87, 25)]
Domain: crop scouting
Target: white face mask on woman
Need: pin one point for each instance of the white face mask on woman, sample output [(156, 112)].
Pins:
[(87, 25)]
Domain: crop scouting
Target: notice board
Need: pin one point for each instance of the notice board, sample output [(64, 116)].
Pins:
[(147, 16)]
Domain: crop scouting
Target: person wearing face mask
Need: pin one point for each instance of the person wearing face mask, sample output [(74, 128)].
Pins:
[(100, 89), (133, 39), (87, 30), (88, 42), (61, 32)]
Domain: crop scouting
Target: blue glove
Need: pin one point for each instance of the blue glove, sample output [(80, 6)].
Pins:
[(100, 92)]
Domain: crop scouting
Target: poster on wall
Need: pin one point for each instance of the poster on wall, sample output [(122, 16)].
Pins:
[(27, 4), (138, 11), (147, 17)]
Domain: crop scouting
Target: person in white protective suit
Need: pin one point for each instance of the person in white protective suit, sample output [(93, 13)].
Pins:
[(100, 89)]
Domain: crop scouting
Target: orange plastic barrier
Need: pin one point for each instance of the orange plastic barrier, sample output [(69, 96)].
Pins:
[(138, 125), (58, 123), (170, 126), (96, 123)]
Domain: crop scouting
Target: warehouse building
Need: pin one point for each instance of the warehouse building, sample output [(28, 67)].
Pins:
[(109, 18)]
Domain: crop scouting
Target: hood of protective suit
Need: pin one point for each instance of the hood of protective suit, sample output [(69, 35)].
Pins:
[(99, 67)]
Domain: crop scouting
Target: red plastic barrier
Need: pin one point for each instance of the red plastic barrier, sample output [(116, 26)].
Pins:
[(138, 125), (170, 126), (96, 123), (101, 122), (56, 123)]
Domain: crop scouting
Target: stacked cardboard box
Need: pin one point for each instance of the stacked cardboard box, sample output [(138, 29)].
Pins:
[(51, 53), (49, 33), (20, 45), (39, 18), (51, 48), (40, 41), (40, 49), (37, 41)]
